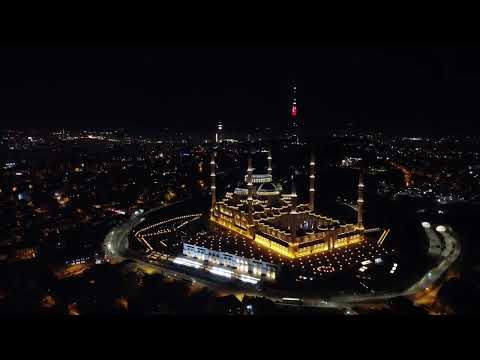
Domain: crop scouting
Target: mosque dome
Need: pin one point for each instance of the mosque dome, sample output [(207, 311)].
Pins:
[(241, 188), (267, 189)]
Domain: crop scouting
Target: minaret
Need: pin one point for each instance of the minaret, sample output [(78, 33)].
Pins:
[(312, 181), (294, 196), (269, 170), (250, 187), (293, 210), (360, 201), (212, 177)]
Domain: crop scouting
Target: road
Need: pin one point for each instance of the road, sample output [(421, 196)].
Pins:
[(447, 258), (449, 255), (116, 249), (407, 174)]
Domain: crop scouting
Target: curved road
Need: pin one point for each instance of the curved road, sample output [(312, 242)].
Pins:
[(116, 248)]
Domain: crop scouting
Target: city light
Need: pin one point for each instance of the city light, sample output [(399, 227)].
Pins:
[(257, 229), (394, 268), (426, 225), (187, 262), (249, 279), (221, 272)]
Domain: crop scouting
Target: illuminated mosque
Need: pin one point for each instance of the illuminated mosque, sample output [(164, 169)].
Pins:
[(259, 210), (267, 229)]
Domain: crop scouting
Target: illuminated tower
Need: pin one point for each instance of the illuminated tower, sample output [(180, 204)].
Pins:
[(294, 113), (360, 201), (312, 181), (269, 170), (250, 188), (212, 176), (219, 133)]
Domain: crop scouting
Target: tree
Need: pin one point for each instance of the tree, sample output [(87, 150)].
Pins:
[(461, 296), (404, 306)]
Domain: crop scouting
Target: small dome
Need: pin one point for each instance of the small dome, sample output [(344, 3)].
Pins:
[(241, 189), (267, 187)]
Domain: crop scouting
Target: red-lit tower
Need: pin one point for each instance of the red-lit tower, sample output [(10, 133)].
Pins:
[(294, 113), (294, 102)]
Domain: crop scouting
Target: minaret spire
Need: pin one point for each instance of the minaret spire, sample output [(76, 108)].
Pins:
[(250, 186), (269, 170), (294, 196), (312, 181), (360, 201), (212, 176), (293, 210)]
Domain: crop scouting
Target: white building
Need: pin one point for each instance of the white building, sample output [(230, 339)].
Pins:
[(239, 264)]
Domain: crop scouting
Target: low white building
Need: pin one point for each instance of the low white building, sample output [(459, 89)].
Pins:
[(239, 264)]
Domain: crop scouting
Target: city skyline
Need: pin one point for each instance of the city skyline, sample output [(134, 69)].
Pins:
[(248, 179), (192, 87)]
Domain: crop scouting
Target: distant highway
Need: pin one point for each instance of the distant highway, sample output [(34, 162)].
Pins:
[(407, 174)]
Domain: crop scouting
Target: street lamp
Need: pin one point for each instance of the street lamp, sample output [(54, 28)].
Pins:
[(426, 225)]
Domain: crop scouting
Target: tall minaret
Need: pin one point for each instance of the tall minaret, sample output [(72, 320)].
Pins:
[(294, 196), (269, 170), (293, 210), (250, 186), (212, 176), (312, 181), (360, 201)]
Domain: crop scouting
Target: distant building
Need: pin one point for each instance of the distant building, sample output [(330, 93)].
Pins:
[(219, 133), (23, 254), (295, 120)]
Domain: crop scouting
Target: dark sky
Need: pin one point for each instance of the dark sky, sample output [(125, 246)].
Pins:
[(195, 85)]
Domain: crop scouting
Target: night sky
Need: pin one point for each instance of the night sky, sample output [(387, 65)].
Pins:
[(192, 86)]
